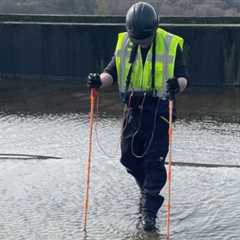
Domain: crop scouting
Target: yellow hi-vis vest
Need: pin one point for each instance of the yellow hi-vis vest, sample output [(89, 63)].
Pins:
[(141, 77)]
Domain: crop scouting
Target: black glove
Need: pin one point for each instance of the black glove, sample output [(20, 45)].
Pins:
[(172, 88), (94, 80)]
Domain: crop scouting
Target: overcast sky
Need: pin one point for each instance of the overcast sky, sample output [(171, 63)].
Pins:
[(119, 7)]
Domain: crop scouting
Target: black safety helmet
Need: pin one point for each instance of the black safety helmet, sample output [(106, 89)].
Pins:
[(141, 21)]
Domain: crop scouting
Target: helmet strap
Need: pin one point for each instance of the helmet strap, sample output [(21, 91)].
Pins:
[(131, 61)]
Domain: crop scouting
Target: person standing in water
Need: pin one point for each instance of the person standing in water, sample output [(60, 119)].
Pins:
[(148, 66)]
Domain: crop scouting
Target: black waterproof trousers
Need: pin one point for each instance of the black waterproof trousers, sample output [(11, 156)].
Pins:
[(144, 148)]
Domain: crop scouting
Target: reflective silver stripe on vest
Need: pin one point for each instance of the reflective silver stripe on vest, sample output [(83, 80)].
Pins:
[(160, 58), (123, 56), (166, 59)]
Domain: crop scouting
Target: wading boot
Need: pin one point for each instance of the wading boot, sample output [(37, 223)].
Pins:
[(149, 223), (151, 205)]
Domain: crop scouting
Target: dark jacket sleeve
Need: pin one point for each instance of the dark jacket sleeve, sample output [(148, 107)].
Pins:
[(181, 69), (112, 69)]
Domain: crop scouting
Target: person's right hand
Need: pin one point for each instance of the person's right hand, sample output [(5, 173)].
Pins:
[(94, 80)]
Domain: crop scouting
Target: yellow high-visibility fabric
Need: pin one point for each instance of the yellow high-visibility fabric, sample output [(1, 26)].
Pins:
[(141, 77)]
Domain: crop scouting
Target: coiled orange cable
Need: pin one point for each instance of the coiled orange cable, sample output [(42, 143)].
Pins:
[(88, 162), (112, 154)]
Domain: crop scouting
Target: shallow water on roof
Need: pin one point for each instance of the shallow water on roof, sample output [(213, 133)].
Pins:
[(43, 147)]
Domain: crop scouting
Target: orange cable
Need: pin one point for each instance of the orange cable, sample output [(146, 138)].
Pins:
[(88, 162), (123, 126), (109, 155)]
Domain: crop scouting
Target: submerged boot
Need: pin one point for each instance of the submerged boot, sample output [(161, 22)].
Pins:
[(149, 223), (151, 205)]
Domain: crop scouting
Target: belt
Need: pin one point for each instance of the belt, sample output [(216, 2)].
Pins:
[(151, 93), (138, 94)]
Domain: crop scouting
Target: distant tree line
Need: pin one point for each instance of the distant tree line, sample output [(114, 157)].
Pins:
[(202, 8)]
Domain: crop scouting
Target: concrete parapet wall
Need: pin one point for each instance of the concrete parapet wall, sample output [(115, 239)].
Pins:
[(69, 47)]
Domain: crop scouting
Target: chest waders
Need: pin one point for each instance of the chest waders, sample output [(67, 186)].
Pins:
[(152, 93)]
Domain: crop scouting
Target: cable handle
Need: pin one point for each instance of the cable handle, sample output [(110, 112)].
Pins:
[(171, 96), (93, 93)]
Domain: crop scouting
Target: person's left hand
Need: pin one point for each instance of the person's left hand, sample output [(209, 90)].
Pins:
[(173, 87), (94, 80)]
